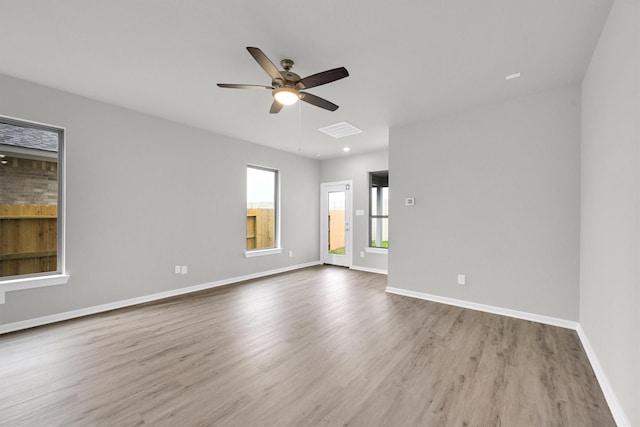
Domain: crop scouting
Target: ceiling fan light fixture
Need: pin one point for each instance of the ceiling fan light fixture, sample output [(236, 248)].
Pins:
[(286, 95)]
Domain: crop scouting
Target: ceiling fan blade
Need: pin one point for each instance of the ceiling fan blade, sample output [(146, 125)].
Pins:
[(317, 101), (324, 77), (265, 63), (235, 86), (275, 107)]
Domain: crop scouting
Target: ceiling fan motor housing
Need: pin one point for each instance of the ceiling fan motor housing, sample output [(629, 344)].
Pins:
[(290, 80)]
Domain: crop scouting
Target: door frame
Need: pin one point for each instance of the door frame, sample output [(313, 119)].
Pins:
[(348, 218)]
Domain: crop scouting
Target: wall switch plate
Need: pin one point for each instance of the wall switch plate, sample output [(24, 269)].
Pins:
[(462, 279), (409, 201), (359, 212), (177, 269), (183, 269)]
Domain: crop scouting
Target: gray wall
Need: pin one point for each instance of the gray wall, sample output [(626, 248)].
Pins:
[(610, 205), (497, 199), (145, 194), (357, 168)]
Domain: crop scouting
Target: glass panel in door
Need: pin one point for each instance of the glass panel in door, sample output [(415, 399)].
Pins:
[(336, 237)]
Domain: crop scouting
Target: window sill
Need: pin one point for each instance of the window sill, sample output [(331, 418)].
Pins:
[(22, 283), (262, 252), (383, 251)]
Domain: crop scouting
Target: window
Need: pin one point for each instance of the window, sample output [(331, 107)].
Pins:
[(31, 195), (379, 209), (262, 210)]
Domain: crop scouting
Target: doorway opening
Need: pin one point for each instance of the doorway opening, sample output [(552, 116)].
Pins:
[(335, 224)]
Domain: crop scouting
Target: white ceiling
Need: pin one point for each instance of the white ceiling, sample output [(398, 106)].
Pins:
[(408, 59)]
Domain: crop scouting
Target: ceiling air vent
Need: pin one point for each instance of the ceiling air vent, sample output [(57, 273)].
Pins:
[(340, 130)]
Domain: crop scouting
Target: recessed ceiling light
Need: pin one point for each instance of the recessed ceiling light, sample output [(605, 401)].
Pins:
[(512, 76), (346, 149), (340, 130)]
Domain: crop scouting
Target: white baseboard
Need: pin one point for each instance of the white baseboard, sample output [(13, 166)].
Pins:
[(368, 270), (487, 308), (45, 320), (612, 400)]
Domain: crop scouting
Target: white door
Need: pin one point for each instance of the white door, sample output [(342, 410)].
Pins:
[(335, 224)]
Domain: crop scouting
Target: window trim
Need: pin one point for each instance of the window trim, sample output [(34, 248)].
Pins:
[(262, 252), (277, 249), (376, 250), (60, 276)]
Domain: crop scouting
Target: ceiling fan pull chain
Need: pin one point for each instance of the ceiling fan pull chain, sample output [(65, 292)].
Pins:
[(299, 126)]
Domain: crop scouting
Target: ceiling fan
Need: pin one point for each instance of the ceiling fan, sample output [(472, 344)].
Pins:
[(287, 86)]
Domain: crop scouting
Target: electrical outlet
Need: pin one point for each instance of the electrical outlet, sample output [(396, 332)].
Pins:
[(177, 269), (290, 254), (462, 279), (361, 254), (183, 269)]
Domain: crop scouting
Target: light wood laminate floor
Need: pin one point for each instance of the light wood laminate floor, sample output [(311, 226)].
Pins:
[(320, 346)]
